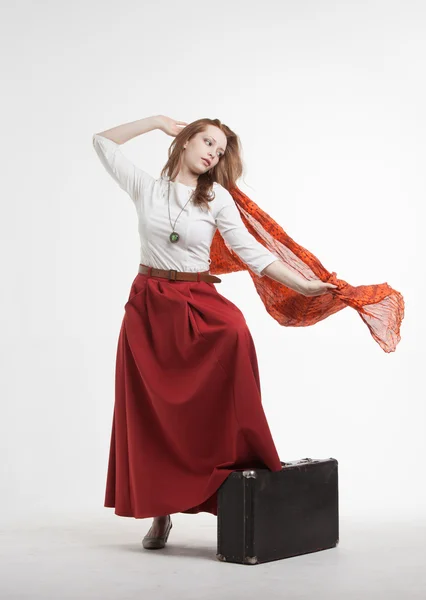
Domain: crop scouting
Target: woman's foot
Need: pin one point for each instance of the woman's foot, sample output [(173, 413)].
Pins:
[(158, 533)]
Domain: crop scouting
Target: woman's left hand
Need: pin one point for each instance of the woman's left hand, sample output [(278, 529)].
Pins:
[(318, 288), (170, 126)]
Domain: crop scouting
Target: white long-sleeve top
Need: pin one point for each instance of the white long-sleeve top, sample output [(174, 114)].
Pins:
[(195, 226)]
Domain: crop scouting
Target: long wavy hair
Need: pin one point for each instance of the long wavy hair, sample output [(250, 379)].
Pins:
[(226, 172)]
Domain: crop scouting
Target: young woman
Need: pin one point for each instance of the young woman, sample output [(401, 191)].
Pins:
[(188, 408)]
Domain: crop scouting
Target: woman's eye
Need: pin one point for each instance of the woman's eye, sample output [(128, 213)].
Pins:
[(220, 154)]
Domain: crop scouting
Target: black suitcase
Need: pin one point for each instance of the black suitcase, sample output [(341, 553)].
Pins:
[(265, 515)]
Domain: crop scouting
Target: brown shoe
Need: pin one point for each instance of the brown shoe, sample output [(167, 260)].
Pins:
[(151, 542)]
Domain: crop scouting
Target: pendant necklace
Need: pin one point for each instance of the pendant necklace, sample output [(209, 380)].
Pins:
[(174, 236)]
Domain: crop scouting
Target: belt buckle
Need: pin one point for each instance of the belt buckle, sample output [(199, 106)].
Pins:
[(170, 272)]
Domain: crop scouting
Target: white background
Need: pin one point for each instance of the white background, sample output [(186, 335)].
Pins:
[(328, 100)]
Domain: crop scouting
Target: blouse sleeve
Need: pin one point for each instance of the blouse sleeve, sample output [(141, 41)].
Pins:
[(129, 177), (242, 242)]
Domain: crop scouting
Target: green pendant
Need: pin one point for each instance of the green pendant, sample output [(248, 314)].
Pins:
[(174, 237)]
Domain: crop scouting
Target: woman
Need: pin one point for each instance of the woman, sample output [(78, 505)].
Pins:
[(188, 407)]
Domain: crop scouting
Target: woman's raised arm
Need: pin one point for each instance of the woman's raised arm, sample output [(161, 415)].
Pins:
[(127, 131), (130, 178)]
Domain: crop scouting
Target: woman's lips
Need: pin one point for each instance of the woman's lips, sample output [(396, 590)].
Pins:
[(206, 162)]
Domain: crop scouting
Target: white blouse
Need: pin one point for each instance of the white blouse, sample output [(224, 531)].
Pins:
[(195, 226)]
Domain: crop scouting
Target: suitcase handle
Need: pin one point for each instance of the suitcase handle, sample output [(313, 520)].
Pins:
[(296, 462)]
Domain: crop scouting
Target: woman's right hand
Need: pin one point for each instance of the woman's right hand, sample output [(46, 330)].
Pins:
[(170, 126), (316, 287)]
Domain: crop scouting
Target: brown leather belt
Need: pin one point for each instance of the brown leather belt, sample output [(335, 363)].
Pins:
[(173, 275)]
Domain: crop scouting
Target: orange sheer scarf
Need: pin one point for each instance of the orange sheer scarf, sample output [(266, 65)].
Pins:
[(379, 306)]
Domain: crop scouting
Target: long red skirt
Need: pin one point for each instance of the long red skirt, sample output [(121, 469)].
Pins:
[(188, 407)]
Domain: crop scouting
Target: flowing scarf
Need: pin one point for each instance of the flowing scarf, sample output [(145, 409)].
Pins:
[(379, 306)]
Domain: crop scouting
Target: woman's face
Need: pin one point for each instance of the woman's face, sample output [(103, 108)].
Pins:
[(209, 144)]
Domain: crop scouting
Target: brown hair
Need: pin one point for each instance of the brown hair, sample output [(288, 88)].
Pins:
[(226, 172)]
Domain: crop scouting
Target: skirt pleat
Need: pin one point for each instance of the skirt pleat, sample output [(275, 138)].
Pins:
[(188, 408)]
